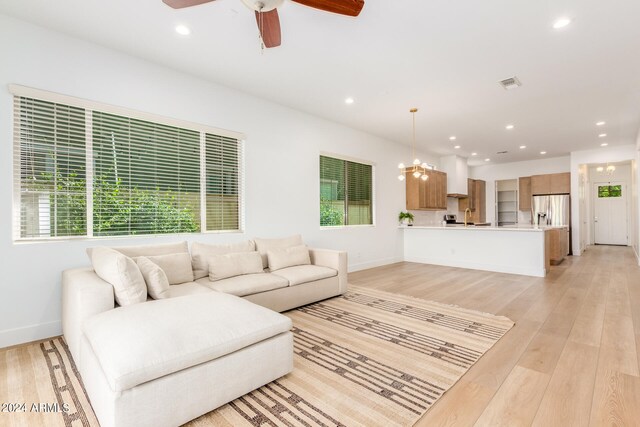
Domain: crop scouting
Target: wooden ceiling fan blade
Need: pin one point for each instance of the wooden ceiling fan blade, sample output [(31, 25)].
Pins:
[(269, 26), (179, 4), (342, 7)]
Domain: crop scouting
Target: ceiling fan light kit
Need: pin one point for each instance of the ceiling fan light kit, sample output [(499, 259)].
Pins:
[(267, 13), (262, 5)]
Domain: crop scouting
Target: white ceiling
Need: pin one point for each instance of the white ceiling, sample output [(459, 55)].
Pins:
[(444, 57)]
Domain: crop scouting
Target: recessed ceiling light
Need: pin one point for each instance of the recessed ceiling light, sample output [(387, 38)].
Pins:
[(601, 123), (509, 127), (561, 23), (604, 144), (456, 147), (522, 147), (452, 138), (487, 160), (349, 101), (543, 152), (474, 154), (602, 135), (183, 30)]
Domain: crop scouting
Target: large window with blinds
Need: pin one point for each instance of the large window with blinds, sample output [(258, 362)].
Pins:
[(88, 173), (346, 192)]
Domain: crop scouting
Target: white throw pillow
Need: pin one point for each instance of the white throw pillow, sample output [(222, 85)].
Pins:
[(201, 252), (122, 273), (177, 267), (280, 258), (231, 265), (157, 282), (264, 245)]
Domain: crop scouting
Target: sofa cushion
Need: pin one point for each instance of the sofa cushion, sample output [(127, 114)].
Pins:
[(201, 252), (288, 257), (156, 279), (177, 267), (264, 245), (122, 273), (150, 250), (173, 334), (231, 265), (247, 284), (185, 289), (305, 273)]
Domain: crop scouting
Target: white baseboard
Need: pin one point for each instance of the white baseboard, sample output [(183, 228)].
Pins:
[(373, 264), (10, 337)]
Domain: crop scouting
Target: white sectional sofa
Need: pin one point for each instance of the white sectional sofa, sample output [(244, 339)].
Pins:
[(212, 335)]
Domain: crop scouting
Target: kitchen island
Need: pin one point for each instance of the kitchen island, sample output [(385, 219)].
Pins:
[(516, 250)]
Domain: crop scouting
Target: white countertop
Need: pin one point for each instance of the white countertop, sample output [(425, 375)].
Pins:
[(524, 228)]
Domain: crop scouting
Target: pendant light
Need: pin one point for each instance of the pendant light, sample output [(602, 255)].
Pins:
[(418, 169)]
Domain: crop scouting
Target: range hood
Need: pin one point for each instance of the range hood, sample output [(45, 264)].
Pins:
[(457, 174)]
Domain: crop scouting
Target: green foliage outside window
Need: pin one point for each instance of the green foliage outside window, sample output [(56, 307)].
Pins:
[(346, 192), (117, 210), (610, 191)]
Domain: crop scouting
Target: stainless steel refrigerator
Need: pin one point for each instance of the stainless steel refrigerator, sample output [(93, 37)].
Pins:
[(553, 210)]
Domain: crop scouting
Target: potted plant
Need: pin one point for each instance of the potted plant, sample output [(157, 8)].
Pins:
[(405, 218)]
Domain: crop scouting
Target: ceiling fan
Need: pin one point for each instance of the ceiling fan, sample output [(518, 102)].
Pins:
[(267, 13)]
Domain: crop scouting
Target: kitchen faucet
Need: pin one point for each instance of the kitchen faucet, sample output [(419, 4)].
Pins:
[(465, 216)]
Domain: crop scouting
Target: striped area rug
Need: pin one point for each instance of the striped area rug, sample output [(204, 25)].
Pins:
[(366, 358)]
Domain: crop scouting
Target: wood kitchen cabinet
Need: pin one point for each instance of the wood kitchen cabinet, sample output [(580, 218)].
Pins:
[(553, 183), (476, 200), (524, 193), (558, 245), (480, 197), (560, 183), (427, 195)]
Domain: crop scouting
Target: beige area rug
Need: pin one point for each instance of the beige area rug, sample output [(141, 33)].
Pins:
[(366, 358)]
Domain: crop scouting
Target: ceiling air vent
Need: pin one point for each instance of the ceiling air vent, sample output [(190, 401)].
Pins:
[(502, 152), (510, 83)]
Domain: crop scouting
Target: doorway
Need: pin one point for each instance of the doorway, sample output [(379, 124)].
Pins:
[(610, 213)]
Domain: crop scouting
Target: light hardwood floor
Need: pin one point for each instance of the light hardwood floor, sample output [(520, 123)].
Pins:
[(572, 359)]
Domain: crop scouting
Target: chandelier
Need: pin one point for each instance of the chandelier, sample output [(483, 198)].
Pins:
[(610, 169), (418, 169)]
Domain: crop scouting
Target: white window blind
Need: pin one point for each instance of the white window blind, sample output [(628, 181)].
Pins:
[(50, 169), (146, 177), (84, 172), (224, 181), (346, 192)]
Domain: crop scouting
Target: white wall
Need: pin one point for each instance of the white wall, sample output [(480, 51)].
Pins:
[(282, 149), (499, 171), (620, 153), (636, 199)]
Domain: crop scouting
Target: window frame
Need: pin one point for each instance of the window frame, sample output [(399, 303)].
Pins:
[(373, 190), (89, 107)]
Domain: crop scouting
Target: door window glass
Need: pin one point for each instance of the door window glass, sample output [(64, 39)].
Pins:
[(609, 191)]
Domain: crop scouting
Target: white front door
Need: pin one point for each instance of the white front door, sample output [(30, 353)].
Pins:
[(610, 213)]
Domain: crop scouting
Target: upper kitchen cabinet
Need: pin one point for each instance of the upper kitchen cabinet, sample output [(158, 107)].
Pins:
[(475, 202), (470, 201), (555, 183), (524, 193), (560, 183), (427, 195), (480, 201)]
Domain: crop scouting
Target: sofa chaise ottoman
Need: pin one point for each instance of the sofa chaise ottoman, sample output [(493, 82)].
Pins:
[(169, 361)]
